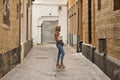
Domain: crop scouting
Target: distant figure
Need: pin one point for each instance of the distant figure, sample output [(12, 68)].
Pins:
[(59, 44)]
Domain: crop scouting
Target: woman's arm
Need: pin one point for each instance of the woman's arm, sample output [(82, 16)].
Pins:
[(56, 38)]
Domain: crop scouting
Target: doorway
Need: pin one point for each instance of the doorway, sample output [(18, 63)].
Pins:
[(47, 31)]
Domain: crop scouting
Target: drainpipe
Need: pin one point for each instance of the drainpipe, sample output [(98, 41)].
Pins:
[(21, 24)]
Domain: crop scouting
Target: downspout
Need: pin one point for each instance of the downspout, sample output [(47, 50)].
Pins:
[(21, 25)]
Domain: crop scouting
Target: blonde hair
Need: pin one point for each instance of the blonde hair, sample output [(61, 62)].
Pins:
[(57, 28)]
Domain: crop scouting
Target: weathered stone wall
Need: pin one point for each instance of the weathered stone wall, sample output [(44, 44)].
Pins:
[(72, 22), (85, 21), (105, 28), (9, 35), (9, 60), (88, 15), (108, 26)]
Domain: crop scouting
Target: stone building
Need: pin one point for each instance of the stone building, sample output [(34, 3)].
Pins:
[(25, 27), (15, 32), (98, 27), (73, 23), (46, 15)]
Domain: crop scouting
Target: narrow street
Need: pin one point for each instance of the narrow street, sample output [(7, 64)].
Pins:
[(90, 30), (39, 64)]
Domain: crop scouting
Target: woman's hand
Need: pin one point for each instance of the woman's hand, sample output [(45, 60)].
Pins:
[(62, 43)]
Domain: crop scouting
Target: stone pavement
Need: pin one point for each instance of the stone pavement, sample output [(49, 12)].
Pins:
[(40, 65)]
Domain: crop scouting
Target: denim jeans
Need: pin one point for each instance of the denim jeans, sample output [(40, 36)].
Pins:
[(61, 52)]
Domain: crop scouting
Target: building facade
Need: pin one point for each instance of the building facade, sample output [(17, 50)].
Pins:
[(73, 23), (15, 32), (26, 40), (98, 29), (46, 15)]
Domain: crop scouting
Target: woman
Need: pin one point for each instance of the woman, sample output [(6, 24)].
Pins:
[(59, 44)]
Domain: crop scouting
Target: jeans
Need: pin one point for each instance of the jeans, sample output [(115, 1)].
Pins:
[(61, 52)]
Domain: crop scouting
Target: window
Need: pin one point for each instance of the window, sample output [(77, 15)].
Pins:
[(116, 4), (99, 4), (6, 12)]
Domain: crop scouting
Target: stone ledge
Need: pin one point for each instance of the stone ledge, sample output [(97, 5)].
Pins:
[(88, 51), (109, 66)]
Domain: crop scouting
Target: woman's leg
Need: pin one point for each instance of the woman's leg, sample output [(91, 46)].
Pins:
[(58, 56), (60, 47)]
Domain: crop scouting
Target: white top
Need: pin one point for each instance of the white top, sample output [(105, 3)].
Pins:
[(59, 37)]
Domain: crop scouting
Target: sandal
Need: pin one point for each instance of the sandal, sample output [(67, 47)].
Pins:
[(62, 66), (57, 65)]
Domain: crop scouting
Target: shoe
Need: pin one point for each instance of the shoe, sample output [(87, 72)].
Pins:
[(62, 66), (57, 65)]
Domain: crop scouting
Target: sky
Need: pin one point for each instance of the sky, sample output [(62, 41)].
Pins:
[(52, 1)]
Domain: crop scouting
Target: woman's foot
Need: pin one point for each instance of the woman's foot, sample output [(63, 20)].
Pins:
[(62, 66), (57, 65)]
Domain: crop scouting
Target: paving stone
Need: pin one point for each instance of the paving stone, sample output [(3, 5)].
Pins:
[(40, 65)]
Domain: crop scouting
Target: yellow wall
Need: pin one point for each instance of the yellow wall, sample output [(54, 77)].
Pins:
[(9, 38), (108, 26), (70, 2)]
